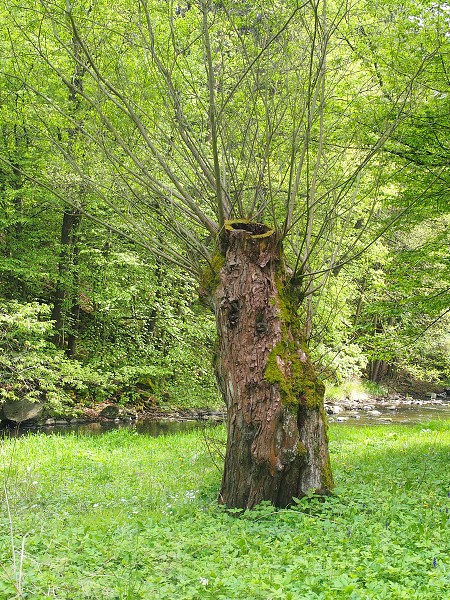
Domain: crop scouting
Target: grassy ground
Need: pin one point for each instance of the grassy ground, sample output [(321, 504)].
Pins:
[(125, 516)]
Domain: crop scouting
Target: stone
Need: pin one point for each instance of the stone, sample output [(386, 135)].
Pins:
[(111, 411), (359, 397), (22, 410)]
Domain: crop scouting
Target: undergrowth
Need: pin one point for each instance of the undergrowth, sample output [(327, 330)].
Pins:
[(124, 516), (354, 389)]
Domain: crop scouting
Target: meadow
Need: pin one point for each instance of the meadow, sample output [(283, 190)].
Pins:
[(127, 516)]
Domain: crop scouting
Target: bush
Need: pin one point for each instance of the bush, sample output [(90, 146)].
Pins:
[(33, 369)]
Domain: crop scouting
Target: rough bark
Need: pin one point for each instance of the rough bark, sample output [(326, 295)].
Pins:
[(277, 444)]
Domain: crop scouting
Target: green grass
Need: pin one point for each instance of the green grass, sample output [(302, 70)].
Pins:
[(125, 516), (354, 389)]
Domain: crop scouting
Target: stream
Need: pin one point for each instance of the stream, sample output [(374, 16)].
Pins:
[(380, 415), (373, 415)]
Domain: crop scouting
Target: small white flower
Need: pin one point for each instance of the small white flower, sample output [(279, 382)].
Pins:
[(34, 482), (204, 581), (95, 505)]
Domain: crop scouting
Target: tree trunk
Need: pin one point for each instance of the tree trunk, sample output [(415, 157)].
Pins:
[(74, 328), (68, 261), (277, 446), (377, 369), (65, 284)]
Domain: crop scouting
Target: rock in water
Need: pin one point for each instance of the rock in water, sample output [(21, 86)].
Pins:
[(111, 411), (22, 410)]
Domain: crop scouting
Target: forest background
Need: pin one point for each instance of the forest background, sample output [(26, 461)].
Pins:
[(89, 312)]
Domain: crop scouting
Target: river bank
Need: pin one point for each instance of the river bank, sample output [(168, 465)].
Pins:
[(358, 407), (399, 400), (402, 398)]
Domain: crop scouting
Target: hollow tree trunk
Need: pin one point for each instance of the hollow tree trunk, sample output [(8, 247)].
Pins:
[(277, 445)]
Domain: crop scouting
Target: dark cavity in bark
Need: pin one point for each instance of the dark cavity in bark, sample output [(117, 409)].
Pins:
[(253, 228)]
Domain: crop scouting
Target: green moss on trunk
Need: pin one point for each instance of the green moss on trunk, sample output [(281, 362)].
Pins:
[(327, 476), (287, 364), (210, 276), (290, 369), (302, 450)]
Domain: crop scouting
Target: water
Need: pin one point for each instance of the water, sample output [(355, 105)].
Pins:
[(400, 414), (144, 427), (378, 416)]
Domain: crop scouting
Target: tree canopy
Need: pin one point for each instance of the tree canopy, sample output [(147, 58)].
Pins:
[(138, 139)]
